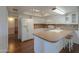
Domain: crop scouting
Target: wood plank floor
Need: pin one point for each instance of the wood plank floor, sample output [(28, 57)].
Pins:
[(16, 46), (74, 50)]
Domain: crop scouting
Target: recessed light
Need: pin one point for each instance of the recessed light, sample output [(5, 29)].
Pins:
[(36, 10), (15, 10), (46, 14)]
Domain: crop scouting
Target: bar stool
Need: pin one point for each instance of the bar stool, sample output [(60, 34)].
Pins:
[(69, 42)]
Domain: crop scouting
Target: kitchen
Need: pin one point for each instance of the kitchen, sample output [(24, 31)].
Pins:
[(52, 29)]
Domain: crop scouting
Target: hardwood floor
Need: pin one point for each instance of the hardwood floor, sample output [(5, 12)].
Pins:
[(74, 50), (16, 46)]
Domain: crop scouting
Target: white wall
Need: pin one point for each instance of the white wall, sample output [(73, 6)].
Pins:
[(78, 17), (3, 29), (55, 19), (11, 25)]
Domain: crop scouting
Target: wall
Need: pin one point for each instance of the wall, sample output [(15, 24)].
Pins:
[(3, 29), (11, 25), (78, 17)]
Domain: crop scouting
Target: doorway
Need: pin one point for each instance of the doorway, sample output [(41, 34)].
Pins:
[(13, 27), (13, 41)]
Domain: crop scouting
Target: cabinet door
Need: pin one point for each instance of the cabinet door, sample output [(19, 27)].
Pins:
[(73, 17), (68, 19), (27, 29), (38, 45)]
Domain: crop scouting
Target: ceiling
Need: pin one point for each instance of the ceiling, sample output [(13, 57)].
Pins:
[(39, 10), (68, 9)]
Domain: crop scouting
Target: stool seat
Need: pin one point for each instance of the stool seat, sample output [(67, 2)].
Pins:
[(68, 36)]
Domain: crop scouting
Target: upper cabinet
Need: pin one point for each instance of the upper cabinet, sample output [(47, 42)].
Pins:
[(56, 19), (39, 20), (71, 18)]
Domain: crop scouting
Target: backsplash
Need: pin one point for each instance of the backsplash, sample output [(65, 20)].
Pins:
[(40, 26), (71, 26)]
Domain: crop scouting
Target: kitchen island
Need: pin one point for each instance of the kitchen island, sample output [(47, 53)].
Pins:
[(49, 40)]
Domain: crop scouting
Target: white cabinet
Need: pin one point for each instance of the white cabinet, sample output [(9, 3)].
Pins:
[(50, 47), (39, 20), (26, 28), (38, 45), (55, 19), (76, 37), (43, 46), (71, 18)]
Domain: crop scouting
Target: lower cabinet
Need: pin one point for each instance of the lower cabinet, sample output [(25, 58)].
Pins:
[(38, 45), (43, 46), (76, 37), (50, 47)]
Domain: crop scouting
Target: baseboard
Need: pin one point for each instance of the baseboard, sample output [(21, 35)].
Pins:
[(27, 40)]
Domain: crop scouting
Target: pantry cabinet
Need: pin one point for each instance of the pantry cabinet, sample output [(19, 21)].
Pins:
[(26, 28)]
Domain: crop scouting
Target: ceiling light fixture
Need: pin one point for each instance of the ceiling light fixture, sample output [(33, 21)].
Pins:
[(59, 11), (11, 18)]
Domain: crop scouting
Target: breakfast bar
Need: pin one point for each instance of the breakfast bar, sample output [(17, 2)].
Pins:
[(50, 40)]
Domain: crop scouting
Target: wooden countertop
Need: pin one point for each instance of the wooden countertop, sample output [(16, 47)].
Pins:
[(52, 36)]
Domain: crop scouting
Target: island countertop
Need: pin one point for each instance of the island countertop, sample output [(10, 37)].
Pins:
[(52, 35)]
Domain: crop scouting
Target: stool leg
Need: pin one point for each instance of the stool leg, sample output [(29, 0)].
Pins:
[(64, 44), (69, 46)]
